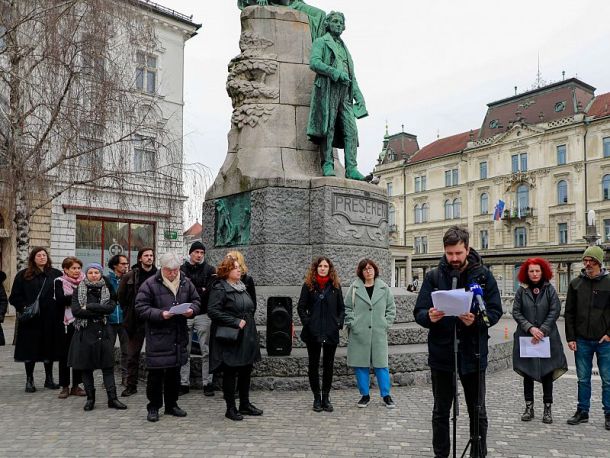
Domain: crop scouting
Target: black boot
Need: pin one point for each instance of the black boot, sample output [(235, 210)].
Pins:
[(29, 384), (326, 405), (50, 383), (113, 401), (90, 403), (529, 411), (317, 402), (547, 416)]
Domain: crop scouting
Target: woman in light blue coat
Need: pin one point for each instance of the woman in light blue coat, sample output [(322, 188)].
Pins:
[(369, 313)]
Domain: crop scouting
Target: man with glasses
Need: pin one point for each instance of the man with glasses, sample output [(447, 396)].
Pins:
[(587, 321), (118, 266)]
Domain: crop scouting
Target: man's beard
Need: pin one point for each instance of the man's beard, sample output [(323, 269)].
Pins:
[(458, 265)]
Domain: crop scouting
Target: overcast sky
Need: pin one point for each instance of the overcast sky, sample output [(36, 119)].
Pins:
[(430, 65)]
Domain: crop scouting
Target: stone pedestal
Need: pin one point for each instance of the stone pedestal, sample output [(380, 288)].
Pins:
[(343, 219)]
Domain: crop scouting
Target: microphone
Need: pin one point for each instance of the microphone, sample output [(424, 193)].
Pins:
[(478, 295), (455, 275)]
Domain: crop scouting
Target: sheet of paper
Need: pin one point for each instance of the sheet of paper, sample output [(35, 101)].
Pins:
[(529, 350), (180, 308), (453, 302)]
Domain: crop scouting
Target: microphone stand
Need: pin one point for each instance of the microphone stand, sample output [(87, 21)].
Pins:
[(474, 443), (456, 404)]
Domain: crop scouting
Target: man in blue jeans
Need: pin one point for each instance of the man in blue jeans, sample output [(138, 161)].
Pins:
[(587, 320)]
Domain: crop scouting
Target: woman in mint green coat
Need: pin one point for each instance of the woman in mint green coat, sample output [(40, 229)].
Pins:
[(369, 313)]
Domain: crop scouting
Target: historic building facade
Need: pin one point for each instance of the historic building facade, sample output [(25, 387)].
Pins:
[(544, 153), (145, 209)]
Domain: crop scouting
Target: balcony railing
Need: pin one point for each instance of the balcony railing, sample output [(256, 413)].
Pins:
[(518, 213)]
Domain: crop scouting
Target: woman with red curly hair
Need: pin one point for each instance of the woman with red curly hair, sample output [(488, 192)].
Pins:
[(536, 309), (322, 312)]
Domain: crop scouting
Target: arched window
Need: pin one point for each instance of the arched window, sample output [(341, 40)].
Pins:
[(562, 192), (484, 203), (391, 215), (523, 197), (448, 209), (425, 213), (457, 207), (606, 186), (418, 214)]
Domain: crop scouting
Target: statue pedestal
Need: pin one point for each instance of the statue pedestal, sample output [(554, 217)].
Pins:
[(345, 220)]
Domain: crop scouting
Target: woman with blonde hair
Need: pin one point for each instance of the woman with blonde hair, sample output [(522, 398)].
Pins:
[(322, 312), (245, 277)]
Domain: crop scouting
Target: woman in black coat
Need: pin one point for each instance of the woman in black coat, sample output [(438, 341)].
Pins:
[(40, 338), (3, 305), (231, 308), (322, 312), (536, 309), (92, 347)]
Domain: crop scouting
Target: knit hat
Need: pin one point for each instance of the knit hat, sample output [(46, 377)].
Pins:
[(596, 253), (94, 265), (196, 246)]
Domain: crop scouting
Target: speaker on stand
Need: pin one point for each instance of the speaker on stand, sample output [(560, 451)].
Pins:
[(279, 326)]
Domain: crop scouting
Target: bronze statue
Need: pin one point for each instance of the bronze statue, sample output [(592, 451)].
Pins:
[(336, 100)]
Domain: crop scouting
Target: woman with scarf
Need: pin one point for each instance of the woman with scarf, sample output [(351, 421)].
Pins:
[(92, 347), (65, 287), (234, 347), (535, 309), (322, 312)]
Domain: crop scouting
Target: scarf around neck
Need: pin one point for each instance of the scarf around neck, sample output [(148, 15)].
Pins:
[(239, 286), (172, 285), (322, 281), (84, 287), (70, 284)]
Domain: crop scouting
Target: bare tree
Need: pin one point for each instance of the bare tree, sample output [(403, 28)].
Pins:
[(73, 117)]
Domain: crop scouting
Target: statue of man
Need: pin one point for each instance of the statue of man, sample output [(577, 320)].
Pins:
[(336, 100)]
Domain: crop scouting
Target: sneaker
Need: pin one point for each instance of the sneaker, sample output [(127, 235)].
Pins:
[(364, 401), (77, 391), (64, 393), (579, 417), (153, 415), (175, 411), (208, 390), (389, 403)]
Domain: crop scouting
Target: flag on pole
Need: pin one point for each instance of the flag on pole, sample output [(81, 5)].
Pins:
[(499, 209)]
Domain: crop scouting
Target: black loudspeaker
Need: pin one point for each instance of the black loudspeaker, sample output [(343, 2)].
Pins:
[(279, 326)]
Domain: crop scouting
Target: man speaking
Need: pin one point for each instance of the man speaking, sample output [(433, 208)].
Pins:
[(460, 267)]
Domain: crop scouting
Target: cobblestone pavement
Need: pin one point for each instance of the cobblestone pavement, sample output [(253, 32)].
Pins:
[(39, 424)]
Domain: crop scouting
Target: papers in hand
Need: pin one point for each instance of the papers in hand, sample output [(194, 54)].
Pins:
[(527, 349), (180, 308), (453, 302)]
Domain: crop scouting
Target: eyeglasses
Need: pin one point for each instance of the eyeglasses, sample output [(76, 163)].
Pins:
[(369, 268), (589, 261)]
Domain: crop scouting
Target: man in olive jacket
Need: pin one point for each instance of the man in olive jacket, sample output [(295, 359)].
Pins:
[(467, 266), (587, 321)]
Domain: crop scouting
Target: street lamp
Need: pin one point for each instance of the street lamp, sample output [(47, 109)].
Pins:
[(592, 236)]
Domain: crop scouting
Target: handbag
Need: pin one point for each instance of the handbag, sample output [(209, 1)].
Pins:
[(33, 310), (227, 334)]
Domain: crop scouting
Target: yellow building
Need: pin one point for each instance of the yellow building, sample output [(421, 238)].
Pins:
[(545, 153)]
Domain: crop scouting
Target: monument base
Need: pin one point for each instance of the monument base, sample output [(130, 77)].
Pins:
[(281, 229)]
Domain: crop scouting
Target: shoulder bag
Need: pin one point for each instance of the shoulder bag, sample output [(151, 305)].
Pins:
[(33, 310), (227, 334)]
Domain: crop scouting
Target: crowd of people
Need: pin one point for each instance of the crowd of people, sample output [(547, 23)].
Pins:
[(76, 315)]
